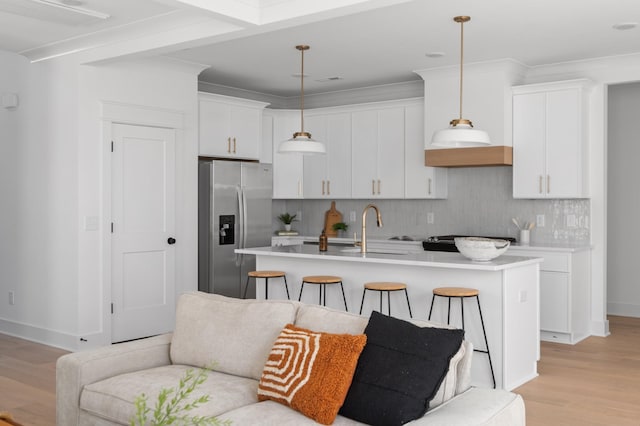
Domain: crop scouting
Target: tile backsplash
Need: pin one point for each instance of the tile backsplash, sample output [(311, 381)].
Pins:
[(480, 202)]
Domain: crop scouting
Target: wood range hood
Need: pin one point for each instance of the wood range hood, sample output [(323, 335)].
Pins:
[(469, 157)]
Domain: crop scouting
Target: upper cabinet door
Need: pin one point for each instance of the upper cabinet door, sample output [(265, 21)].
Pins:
[(390, 173), (229, 127), (315, 166), (245, 129), (420, 181), (529, 145), (550, 142), (364, 153), (338, 139), (288, 179), (564, 154)]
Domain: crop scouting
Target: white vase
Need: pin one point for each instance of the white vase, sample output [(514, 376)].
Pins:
[(287, 227)]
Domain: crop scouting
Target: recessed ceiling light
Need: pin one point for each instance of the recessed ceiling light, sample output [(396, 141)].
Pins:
[(298, 75), (434, 54), (625, 26), (72, 2)]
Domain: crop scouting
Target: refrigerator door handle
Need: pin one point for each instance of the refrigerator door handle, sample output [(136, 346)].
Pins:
[(241, 226), (244, 218)]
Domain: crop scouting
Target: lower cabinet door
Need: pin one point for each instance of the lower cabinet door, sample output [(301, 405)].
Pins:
[(554, 301)]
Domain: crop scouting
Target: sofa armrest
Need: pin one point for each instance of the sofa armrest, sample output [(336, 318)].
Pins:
[(477, 407), (75, 370)]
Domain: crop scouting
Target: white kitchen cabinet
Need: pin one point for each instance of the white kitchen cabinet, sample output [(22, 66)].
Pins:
[(377, 143), (266, 142), (564, 293), (229, 127), (287, 168), (550, 140), (420, 181), (329, 175)]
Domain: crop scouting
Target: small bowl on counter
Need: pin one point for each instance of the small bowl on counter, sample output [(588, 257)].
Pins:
[(481, 249)]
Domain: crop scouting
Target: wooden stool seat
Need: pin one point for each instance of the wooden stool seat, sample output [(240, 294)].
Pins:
[(455, 292), (462, 293), (387, 286), (322, 281), (266, 274)]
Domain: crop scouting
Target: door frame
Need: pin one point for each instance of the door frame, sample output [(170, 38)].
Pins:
[(136, 115)]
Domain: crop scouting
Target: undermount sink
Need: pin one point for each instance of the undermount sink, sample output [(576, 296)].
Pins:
[(386, 251)]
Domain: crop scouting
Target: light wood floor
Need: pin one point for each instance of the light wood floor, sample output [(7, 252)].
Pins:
[(596, 382)]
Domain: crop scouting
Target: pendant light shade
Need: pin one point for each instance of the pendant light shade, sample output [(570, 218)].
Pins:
[(301, 142), (460, 132)]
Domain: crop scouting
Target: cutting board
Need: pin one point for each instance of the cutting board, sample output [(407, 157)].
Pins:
[(331, 216)]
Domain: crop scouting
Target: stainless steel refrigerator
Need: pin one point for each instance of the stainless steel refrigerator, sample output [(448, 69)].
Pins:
[(234, 211)]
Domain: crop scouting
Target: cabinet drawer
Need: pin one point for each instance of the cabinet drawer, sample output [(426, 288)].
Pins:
[(554, 262)]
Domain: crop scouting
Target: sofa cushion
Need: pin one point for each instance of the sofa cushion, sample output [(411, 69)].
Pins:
[(113, 399), (229, 335), (399, 371), (311, 371), (270, 413), (327, 320)]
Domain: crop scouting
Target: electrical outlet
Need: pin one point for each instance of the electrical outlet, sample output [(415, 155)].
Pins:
[(571, 221), (352, 216), (12, 298), (430, 217), (540, 221), (299, 216)]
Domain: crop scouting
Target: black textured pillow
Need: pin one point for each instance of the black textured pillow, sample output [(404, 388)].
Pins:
[(399, 371)]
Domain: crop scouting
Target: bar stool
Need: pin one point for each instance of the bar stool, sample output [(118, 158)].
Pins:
[(266, 275), (387, 287), (322, 281), (462, 293)]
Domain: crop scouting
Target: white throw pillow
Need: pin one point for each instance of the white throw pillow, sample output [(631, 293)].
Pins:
[(233, 335)]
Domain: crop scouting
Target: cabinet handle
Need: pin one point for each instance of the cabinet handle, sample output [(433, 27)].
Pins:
[(234, 145), (328, 187), (378, 186), (299, 188), (429, 186), (373, 187), (540, 185), (548, 184), (323, 187), (229, 145)]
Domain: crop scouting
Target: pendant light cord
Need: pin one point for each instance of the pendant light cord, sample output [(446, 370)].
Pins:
[(461, 60), (302, 90)]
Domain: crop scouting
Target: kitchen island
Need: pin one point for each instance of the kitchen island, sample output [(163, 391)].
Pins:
[(508, 285)]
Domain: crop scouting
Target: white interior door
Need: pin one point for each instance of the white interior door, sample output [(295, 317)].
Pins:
[(143, 231)]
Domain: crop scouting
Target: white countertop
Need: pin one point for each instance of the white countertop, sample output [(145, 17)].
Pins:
[(396, 257), (557, 247)]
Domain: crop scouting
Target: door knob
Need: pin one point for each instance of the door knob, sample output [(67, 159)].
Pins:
[(171, 240)]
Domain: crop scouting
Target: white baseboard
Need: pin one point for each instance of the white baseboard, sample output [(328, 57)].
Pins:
[(40, 335), (623, 309)]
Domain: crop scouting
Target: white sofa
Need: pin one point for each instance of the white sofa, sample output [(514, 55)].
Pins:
[(98, 387)]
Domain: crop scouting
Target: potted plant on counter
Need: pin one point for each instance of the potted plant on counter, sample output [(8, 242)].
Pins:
[(287, 219), (340, 228)]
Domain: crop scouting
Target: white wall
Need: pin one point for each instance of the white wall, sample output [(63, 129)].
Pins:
[(39, 198), (52, 179), (623, 206)]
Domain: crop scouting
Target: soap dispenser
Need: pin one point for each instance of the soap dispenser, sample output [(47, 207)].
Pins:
[(324, 241)]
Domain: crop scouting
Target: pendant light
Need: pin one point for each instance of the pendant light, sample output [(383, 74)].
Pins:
[(301, 142), (460, 132)]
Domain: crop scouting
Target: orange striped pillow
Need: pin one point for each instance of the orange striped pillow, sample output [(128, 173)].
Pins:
[(311, 371)]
